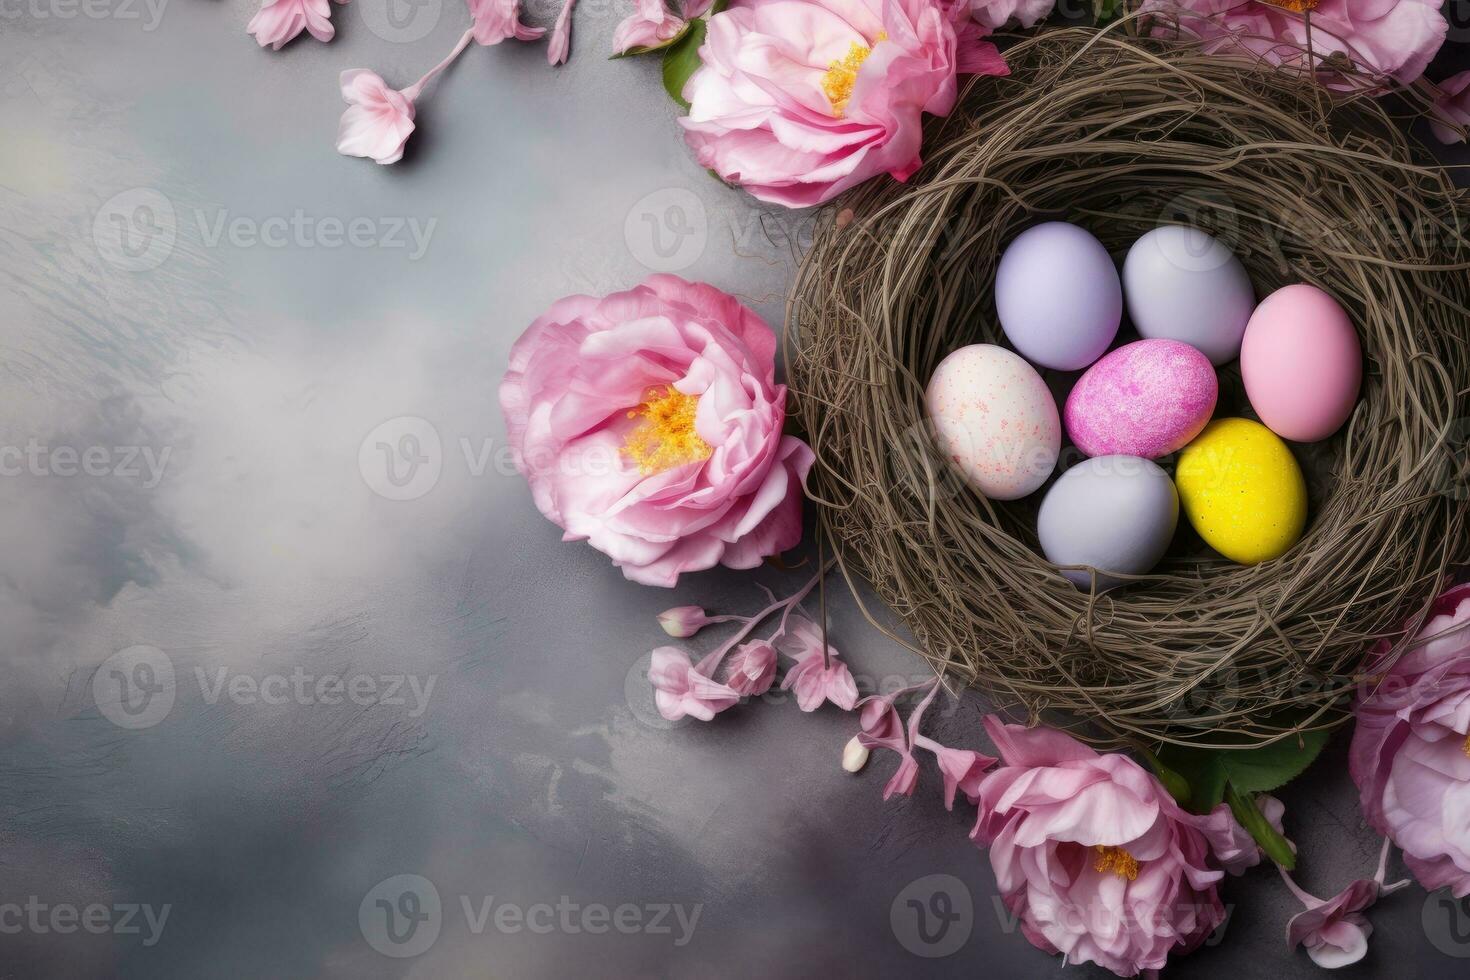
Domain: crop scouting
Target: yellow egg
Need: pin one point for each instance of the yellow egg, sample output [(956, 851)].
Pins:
[(1242, 490)]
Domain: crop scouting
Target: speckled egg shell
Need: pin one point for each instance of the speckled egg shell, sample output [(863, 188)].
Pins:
[(1147, 398), (1242, 490), (995, 419), (1112, 513)]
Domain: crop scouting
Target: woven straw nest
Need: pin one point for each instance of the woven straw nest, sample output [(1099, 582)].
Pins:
[(1120, 134)]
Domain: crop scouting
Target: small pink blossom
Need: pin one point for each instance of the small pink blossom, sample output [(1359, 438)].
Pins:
[(752, 669), (1234, 848), (681, 689), (278, 21), (1452, 109), (1335, 932), (995, 14), (500, 20), (561, 35), (683, 621), (815, 677), (962, 769), (651, 25), (379, 120)]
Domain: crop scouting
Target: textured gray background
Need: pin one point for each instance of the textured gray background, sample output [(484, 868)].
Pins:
[(537, 772)]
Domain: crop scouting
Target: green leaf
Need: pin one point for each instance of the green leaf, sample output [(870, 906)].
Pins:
[(1249, 816), (1257, 770), (1104, 11), (681, 60)]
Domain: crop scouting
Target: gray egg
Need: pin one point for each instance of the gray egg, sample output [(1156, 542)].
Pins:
[(1114, 513), (1181, 284)]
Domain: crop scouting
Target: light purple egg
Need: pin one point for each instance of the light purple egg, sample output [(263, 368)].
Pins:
[(1058, 296), (1148, 398), (1112, 513)]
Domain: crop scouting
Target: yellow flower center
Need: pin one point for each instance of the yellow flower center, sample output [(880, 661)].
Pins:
[(1295, 6), (1116, 860), (1466, 747), (666, 437), (842, 74)]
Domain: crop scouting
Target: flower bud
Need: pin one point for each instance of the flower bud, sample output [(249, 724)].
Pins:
[(683, 621), (854, 755)]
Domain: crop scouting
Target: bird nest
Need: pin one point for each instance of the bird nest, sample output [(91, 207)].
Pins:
[(1121, 134)]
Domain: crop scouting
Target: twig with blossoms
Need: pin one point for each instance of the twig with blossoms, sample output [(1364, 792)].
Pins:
[(379, 120), (1334, 931), (818, 674)]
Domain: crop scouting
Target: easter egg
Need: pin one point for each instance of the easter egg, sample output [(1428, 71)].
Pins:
[(1057, 296), (995, 419), (1242, 490), (1114, 513), (1147, 398), (1301, 363), (1184, 285)]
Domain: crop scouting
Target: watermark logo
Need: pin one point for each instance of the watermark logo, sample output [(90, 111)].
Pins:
[(135, 688), (1446, 922), (135, 230), (36, 458), (401, 21), (933, 916), (402, 458), (667, 230), (401, 916)]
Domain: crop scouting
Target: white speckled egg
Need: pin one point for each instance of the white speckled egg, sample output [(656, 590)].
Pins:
[(995, 419)]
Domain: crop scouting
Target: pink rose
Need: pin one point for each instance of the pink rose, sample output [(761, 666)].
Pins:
[(1411, 748), (798, 100), (1387, 38), (1093, 855), (1452, 109), (648, 423)]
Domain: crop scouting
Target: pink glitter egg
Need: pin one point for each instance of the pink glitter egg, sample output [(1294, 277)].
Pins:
[(1148, 398)]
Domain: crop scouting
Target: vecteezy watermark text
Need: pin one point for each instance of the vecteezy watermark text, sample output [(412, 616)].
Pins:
[(64, 918), (37, 458), (402, 916), (150, 12)]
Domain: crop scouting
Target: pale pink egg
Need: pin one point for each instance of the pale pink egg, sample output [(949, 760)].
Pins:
[(1301, 363), (995, 419), (1147, 398)]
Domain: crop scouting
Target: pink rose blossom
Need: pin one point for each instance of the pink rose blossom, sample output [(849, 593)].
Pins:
[(278, 21), (681, 689), (752, 669), (1452, 109), (648, 423), (815, 677), (799, 100), (561, 35), (500, 20), (1386, 38), (1410, 753), (379, 120), (995, 14), (651, 25), (1335, 932), (1092, 854)]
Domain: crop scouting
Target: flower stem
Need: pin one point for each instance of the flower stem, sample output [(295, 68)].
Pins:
[(711, 663), (413, 91)]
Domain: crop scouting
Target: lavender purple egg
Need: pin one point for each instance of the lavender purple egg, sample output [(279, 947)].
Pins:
[(1148, 398), (1112, 513), (1058, 296)]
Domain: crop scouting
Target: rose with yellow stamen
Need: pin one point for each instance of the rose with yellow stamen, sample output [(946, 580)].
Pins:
[(798, 100), (1094, 857), (1410, 754), (649, 423)]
